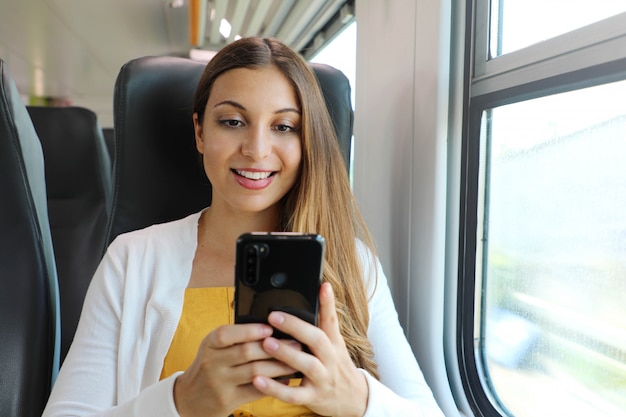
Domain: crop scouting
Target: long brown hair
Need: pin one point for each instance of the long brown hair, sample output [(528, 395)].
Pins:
[(321, 201)]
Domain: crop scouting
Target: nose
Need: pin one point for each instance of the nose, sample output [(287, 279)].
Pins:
[(257, 144)]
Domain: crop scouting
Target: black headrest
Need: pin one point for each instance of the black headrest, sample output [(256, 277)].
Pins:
[(75, 152), (158, 175), (29, 320)]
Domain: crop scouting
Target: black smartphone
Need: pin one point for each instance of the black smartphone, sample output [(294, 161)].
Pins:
[(278, 272)]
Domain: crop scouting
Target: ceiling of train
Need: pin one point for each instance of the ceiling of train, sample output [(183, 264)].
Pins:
[(73, 49)]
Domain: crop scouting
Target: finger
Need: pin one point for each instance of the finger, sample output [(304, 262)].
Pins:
[(282, 349), (328, 320), (299, 329), (244, 353), (238, 364), (281, 391), (266, 368), (293, 356), (228, 335), (307, 333)]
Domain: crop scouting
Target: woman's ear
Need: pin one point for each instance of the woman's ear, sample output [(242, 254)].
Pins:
[(199, 132)]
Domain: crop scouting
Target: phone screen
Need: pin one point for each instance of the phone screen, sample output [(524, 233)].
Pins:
[(278, 272)]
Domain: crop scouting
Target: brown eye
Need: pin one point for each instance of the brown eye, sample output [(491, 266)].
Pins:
[(284, 128), (232, 123)]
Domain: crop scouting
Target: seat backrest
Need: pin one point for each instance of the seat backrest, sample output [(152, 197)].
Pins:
[(158, 175), (29, 303), (79, 190), (109, 139)]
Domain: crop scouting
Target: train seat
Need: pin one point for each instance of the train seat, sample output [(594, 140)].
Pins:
[(79, 191), (158, 175), (29, 303), (109, 138)]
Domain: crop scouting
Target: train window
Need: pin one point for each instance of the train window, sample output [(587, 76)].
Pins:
[(542, 253), (553, 254), (515, 24), (341, 54)]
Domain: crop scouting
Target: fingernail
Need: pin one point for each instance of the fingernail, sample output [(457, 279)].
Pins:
[(328, 288), (276, 318), (266, 331), (271, 344), (260, 382), (294, 344)]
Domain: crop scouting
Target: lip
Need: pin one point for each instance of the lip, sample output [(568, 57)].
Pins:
[(253, 184)]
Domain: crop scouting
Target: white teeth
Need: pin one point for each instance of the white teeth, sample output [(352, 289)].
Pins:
[(256, 175)]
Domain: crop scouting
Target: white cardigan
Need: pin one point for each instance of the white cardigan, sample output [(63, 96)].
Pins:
[(131, 312)]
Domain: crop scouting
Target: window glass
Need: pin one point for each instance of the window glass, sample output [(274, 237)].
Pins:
[(552, 339), (341, 54), (516, 24)]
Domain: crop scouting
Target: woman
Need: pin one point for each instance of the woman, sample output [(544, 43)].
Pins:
[(156, 334)]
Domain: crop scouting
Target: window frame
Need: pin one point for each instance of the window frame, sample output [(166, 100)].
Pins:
[(592, 55)]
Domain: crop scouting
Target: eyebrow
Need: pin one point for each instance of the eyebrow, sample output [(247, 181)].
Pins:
[(241, 107)]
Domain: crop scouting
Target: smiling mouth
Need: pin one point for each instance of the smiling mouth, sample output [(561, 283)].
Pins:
[(254, 175)]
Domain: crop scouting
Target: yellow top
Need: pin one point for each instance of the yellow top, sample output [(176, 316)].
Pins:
[(205, 309)]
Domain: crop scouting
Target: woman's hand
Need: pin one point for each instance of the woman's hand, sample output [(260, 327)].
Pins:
[(219, 379), (332, 385)]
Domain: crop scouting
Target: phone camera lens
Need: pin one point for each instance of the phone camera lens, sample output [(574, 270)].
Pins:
[(263, 249), (251, 273), (278, 280)]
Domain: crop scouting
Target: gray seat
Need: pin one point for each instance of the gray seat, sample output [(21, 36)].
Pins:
[(29, 303), (78, 185)]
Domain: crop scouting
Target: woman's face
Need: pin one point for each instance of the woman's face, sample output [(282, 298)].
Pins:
[(250, 139)]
